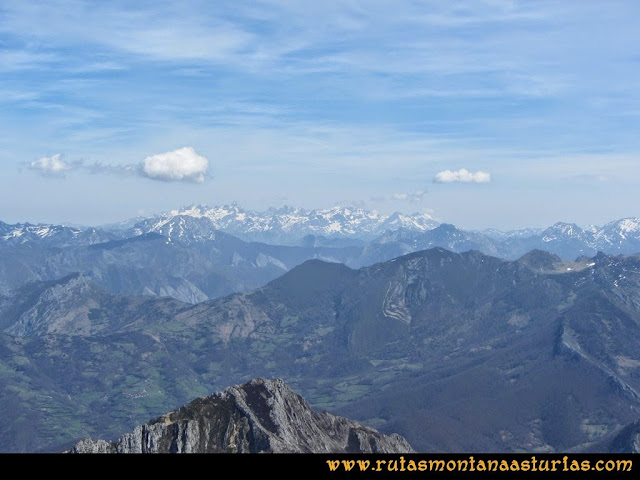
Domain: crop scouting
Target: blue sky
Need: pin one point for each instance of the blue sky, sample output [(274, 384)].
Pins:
[(485, 113)]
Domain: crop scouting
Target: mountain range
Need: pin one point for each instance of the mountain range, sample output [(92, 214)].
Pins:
[(186, 255), (286, 225), (453, 351), (338, 227), (458, 340), (150, 264)]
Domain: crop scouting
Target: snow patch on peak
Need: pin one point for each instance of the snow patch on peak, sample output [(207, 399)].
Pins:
[(629, 224), (20, 233), (289, 224)]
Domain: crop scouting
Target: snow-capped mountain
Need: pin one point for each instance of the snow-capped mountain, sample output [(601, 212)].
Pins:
[(566, 240), (286, 225), (564, 231), (618, 233), (501, 235), (59, 235), (569, 240), (621, 236), (339, 227)]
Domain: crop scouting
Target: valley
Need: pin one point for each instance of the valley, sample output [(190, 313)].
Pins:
[(454, 351)]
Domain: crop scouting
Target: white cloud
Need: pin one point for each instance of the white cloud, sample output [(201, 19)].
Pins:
[(416, 196), (463, 175), (52, 165), (183, 164)]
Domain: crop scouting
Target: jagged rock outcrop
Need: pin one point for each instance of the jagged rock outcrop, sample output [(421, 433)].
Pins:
[(261, 416)]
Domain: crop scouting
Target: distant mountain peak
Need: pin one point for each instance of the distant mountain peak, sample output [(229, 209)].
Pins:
[(50, 234), (289, 224), (564, 228), (540, 260), (629, 224), (447, 227)]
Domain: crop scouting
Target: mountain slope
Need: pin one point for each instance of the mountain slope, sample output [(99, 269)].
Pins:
[(182, 254), (627, 440), (401, 242), (456, 352), (150, 264), (75, 305), (260, 416)]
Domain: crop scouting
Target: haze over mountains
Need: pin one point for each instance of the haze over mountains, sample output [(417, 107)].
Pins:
[(296, 226), (426, 330), (286, 225), (196, 253)]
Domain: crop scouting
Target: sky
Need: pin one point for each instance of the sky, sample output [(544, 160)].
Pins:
[(496, 113)]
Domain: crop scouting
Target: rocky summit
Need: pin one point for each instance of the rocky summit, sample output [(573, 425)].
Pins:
[(260, 416)]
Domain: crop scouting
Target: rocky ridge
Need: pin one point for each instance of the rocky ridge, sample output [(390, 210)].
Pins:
[(260, 416)]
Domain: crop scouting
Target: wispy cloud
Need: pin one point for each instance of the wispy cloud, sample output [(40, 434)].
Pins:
[(381, 92), (415, 197), (165, 32), (17, 60), (462, 176), (588, 178)]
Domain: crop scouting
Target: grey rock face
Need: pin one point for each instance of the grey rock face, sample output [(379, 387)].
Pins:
[(261, 416)]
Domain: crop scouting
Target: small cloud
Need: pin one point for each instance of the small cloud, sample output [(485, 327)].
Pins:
[(183, 164), (100, 168), (463, 175), (50, 166), (587, 178), (416, 196)]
